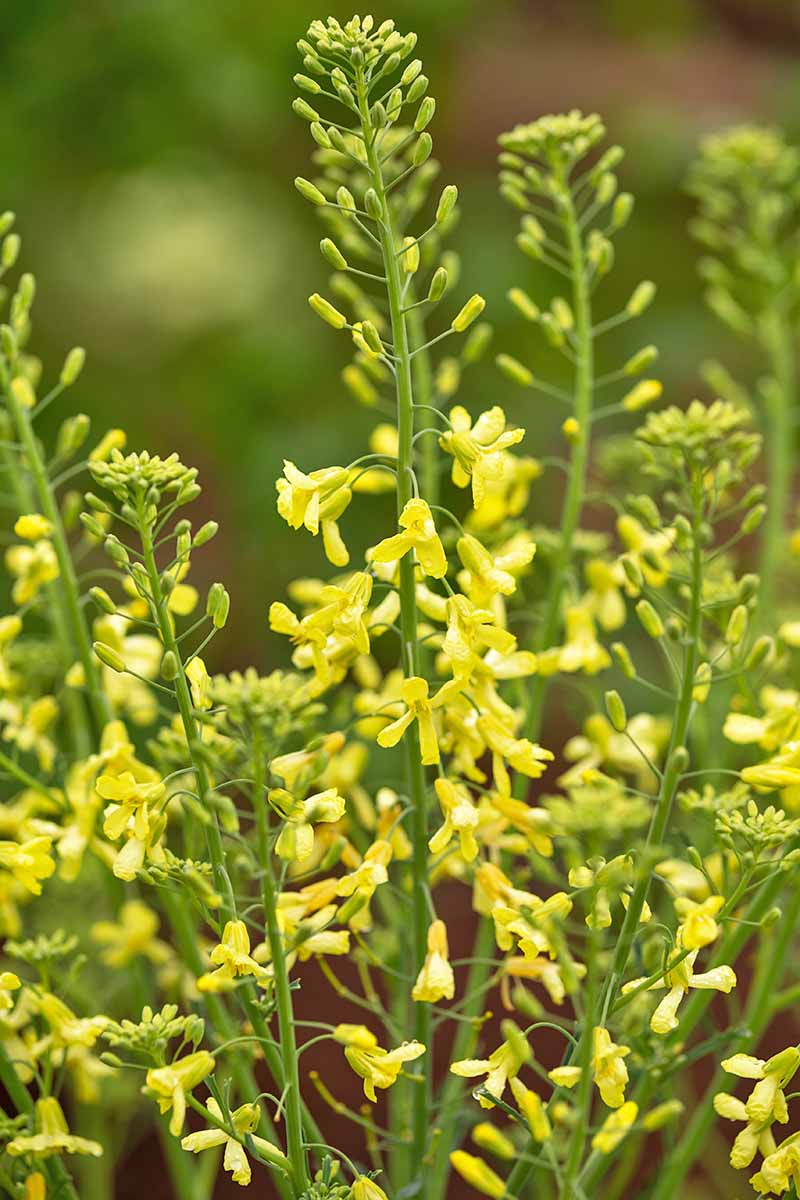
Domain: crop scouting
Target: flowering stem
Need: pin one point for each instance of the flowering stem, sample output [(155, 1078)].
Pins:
[(780, 445), (68, 582), (283, 995), (408, 617), (576, 482)]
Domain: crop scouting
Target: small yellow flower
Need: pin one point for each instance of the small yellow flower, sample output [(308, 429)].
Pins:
[(233, 960), (610, 1072), (418, 534), (32, 567), (317, 501), (477, 449), (32, 527), (460, 819), (200, 683), (533, 1110), (28, 862), (244, 1119), (502, 1065), (419, 708), (169, 1085), (132, 936), (377, 1067), (678, 979), (52, 1135), (699, 928), (367, 1189), (9, 982), (615, 1127), (436, 980), (478, 1174), (296, 840)]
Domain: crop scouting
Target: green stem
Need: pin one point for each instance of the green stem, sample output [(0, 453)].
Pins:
[(576, 484), (68, 581), (20, 1097), (408, 624), (779, 447), (422, 378), (283, 995)]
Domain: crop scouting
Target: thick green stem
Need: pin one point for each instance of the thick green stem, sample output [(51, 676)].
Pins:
[(780, 401), (422, 378), (283, 995), (68, 581), (408, 622), (547, 630)]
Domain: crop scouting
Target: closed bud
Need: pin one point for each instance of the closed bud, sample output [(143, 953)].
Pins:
[(680, 760), (221, 611), (641, 360), (304, 109), (422, 150), (345, 199), (9, 253), (309, 192), (623, 207), (771, 918), (116, 551), (332, 254), (477, 343), (372, 204), (169, 666), (378, 115), (662, 1114), (514, 370), (417, 90), (641, 299), (645, 508), (411, 72), (320, 135), (409, 255), (562, 313), (72, 434), (371, 337), (646, 392), (754, 518), (759, 653), (737, 626), (7, 220), (633, 571), (552, 330), (523, 304), (205, 533), (606, 188), (214, 598), (528, 245), (447, 202), (650, 620), (109, 657), (92, 525), (616, 710), (23, 392), (323, 308), (571, 430), (624, 660), (469, 313), (73, 365), (103, 601), (307, 85), (425, 114), (8, 342), (438, 284)]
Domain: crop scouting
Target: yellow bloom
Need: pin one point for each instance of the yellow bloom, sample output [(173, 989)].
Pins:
[(780, 1169), (521, 754), (476, 1173), (67, 1029), (678, 979), (9, 982), (367, 1189), (360, 885), (699, 927), (35, 1187), (781, 771), (435, 980), (532, 1109), (233, 960), (610, 1072), (486, 576), (32, 527), (565, 1077), (460, 819), (32, 567), (244, 1119), (488, 1137), (52, 1135), (133, 935), (377, 1067), (28, 862), (418, 534), (502, 1065), (614, 1128), (200, 683), (317, 501), (419, 708), (605, 597), (581, 650), (477, 449), (26, 724), (169, 1085)]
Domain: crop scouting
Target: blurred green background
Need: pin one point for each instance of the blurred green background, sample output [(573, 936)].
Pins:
[(149, 149)]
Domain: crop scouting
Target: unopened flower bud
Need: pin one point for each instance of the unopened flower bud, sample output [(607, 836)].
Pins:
[(623, 207), (332, 254), (169, 666), (514, 370), (102, 599), (616, 710), (425, 114), (571, 430), (409, 255), (73, 365), (645, 392), (641, 299), (523, 304), (422, 150), (737, 626), (469, 313), (651, 621), (438, 284), (109, 657), (115, 550), (624, 660), (754, 518), (323, 308), (447, 202), (309, 192), (304, 109)]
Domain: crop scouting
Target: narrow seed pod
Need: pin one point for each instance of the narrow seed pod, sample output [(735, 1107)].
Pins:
[(616, 710), (514, 370), (323, 308), (438, 285), (641, 360), (422, 150), (447, 202), (332, 254), (651, 621), (469, 313), (523, 304), (641, 298), (103, 601), (109, 657), (73, 365), (309, 192), (425, 114)]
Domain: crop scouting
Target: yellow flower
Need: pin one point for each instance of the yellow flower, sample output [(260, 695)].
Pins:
[(780, 1169), (781, 771), (699, 927), (233, 960), (67, 1029), (296, 839), (650, 551), (581, 650), (477, 449), (317, 501), (26, 724), (52, 1135), (35, 1187), (765, 1104), (367, 1189), (471, 631), (533, 823), (605, 597), (521, 754), (419, 708), (32, 527), (200, 683), (532, 1109), (28, 862), (169, 1085), (133, 935), (377, 1067), (614, 1128), (244, 1120), (32, 567), (486, 576), (435, 980), (610, 1072), (478, 1174), (9, 982), (502, 1065), (418, 534), (565, 1077), (460, 819), (678, 979), (490, 1138)]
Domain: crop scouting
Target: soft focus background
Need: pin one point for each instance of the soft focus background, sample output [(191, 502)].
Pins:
[(149, 149)]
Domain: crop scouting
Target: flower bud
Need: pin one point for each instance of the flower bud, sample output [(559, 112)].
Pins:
[(304, 109), (616, 710), (9, 252), (523, 304), (641, 299), (116, 551), (514, 370), (73, 365), (169, 666), (417, 90), (651, 621), (205, 533), (571, 430), (633, 571), (760, 652), (102, 599), (332, 254), (23, 392), (754, 518), (323, 308), (662, 1115), (92, 525), (425, 114), (645, 392), (737, 626), (469, 313), (624, 660), (477, 343), (422, 150), (620, 213), (447, 202), (373, 204), (488, 1137), (409, 255), (109, 657), (438, 284), (309, 192), (562, 313), (641, 360)]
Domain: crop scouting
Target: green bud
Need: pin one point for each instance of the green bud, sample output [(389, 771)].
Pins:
[(103, 601), (523, 304), (645, 392), (9, 253), (767, 921), (7, 219), (616, 710), (346, 199), (8, 342), (438, 284), (761, 650), (320, 135), (623, 207), (680, 760), (562, 313), (72, 434), (514, 370), (516, 1039), (323, 308), (624, 660), (754, 518), (23, 393), (606, 188), (205, 533), (417, 90), (425, 114), (411, 72), (307, 85), (109, 657), (641, 360), (632, 571), (529, 246), (641, 299), (73, 365), (729, 311), (309, 192), (409, 256), (169, 666), (651, 621), (304, 110), (737, 626), (477, 343), (469, 313), (373, 205), (214, 598), (351, 906), (111, 1060), (223, 608), (662, 1114), (447, 202), (92, 525), (422, 150), (116, 551), (332, 253), (552, 330), (371, 337)]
